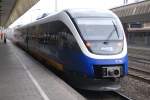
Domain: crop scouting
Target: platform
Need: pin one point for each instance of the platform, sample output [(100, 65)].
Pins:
[(23, 78)]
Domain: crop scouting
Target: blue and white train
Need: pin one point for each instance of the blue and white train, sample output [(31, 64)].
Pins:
[(88, 45)]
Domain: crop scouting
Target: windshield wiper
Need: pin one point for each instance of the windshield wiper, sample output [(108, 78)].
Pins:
[(116, 29), (110, 34)]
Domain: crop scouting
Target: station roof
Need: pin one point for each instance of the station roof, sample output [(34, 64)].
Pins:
[(10, 10), (5, 9), (136, 12)]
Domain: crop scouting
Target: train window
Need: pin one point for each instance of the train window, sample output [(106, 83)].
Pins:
[(67, 38), (53, 35), (98, 33), (99, 28)]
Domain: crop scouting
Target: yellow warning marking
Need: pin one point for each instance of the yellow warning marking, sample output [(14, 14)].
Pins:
[(48, 60)]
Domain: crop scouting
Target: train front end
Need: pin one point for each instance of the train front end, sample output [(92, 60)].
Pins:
[(103, 44)]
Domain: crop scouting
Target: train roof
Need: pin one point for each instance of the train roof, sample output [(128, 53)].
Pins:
[(74, 13), (78, 13)]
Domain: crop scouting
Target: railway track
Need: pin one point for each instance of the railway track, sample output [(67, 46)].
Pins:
[(139, 55), (139, 71), (139, 59), (139, 51), (139, 74)]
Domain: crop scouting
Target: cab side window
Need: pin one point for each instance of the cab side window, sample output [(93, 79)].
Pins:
[(67, 38)]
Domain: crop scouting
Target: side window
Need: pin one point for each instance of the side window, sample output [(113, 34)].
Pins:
[(67, 38), (52, 34), (22, 35)]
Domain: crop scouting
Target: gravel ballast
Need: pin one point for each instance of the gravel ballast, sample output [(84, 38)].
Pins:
[(135, 89)]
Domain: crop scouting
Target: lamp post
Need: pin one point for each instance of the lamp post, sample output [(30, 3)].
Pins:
[(56, 3), (125, 2)]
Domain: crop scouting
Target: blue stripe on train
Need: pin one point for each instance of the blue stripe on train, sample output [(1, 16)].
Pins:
[(78, 62)]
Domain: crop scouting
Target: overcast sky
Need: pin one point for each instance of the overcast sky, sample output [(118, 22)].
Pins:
[(48, 6), (63, 4)]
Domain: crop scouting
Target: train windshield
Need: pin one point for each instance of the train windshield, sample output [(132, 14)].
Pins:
[(102, 34), (99, 29)]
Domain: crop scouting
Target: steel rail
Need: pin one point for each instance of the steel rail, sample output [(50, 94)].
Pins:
[(140, 60), (138, 77), (139, 70)]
